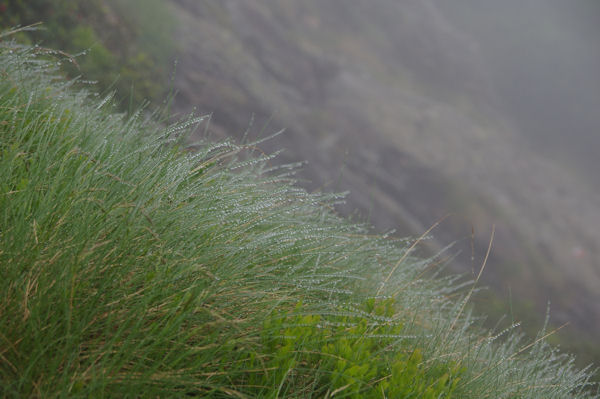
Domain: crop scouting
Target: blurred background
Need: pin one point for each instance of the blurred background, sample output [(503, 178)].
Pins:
[(487, 111)]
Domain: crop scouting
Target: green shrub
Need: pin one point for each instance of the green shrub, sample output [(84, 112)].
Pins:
[(357, 356)]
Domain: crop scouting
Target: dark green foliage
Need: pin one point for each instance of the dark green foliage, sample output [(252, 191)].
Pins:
[(112, 44)]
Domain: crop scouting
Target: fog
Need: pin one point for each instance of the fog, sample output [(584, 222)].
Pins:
[(544, 58)]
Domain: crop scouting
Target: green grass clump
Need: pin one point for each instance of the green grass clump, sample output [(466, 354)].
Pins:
[(130, 267)]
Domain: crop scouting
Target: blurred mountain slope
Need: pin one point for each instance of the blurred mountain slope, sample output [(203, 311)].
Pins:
[(393, 102), (544, 58)]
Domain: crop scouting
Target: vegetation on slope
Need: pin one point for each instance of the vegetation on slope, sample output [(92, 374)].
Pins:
[(132, 268), (126, 43)]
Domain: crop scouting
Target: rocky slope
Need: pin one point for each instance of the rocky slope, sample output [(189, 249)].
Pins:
[(394, 103)]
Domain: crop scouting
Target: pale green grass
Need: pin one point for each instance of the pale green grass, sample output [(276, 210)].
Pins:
[(132, 268)]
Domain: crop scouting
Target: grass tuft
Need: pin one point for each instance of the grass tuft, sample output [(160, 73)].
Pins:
[(130, 267)]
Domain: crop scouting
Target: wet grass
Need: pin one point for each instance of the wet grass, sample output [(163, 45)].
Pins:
[(130, 267)]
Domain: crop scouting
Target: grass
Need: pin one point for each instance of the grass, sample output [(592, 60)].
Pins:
[(131, 267)]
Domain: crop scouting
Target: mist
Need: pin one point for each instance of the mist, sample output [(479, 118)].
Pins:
[(544, 59)]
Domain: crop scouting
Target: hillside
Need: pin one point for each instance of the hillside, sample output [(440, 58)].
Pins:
[(130, 267), (398, 105)]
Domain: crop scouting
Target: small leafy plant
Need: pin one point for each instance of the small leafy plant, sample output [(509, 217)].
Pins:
[(357, 355)]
